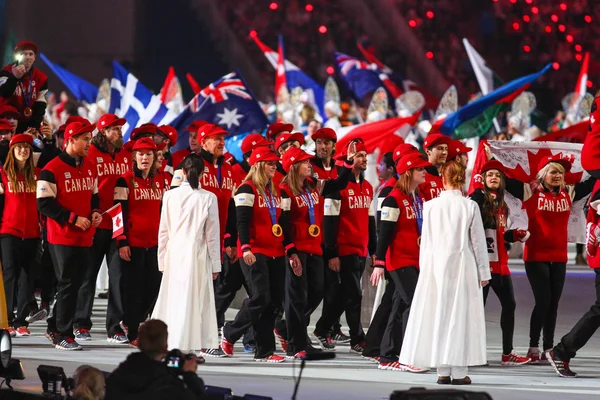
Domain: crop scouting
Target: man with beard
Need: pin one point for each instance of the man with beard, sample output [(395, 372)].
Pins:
[(110, 163), (25, 87)]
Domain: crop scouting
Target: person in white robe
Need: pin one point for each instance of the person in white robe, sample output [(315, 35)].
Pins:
[(190, 259), (446, 327)]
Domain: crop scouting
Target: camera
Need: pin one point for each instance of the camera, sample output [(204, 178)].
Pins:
[(175, 360)]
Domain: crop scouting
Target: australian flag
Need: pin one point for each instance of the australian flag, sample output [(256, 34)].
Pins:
[(227, 102), (362, 78)]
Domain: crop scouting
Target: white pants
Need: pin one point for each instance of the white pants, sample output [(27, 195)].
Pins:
[(455, 372)]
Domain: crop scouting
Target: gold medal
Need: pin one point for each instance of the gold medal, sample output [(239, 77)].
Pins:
[(277, 230), (314, 230), (419, 241), (27, 112)]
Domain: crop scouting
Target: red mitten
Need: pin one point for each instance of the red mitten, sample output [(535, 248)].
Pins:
[(590, 154), (591, 242), (478, 182), (522, 235)]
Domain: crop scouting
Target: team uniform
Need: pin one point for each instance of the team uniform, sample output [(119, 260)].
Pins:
[(27, 95), (545, 252), (141, 200), (109, 167), (66, 190)]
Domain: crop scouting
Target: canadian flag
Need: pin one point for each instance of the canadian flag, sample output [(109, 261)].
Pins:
[(116, 213)]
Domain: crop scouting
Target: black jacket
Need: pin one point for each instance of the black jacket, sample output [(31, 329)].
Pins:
[(141, 377)]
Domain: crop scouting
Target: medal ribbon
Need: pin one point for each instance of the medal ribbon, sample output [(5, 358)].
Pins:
[(417, 204), (310, 204), (271, 205), (27, 94)]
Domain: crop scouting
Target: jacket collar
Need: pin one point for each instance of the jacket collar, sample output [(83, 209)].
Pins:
[(67, 159), (138, 174), (245, 166), (432, 170), (209, 157), (319, 162)]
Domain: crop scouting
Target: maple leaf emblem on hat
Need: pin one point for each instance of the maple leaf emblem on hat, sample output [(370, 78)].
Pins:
[(292, 158), (103, 122), (409, 163), (258, 156), (253, 142)]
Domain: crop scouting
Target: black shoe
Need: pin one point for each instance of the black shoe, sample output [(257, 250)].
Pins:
[(444, 380), (68, 344), (464, 381), (561, 367), (340, 337), (103, 295), (312, 349)]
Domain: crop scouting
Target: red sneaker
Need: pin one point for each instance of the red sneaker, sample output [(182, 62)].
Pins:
[(226, 347), (413, 369), (534, 354), (282, 341), (298, 356), (514, 359), (273, 358), (391, 366), (11, 331), (135, 343), (22, 331)]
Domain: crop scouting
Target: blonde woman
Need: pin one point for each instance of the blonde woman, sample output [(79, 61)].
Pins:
[(89, 383), (548, 202), (263, 241)]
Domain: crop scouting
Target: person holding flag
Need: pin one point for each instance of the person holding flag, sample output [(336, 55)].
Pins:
[(489, 191), (25, 87), (67, 194), (349, 230), (436, 147), (398, 245), (547, 202), (20, 230), (140, 192), (111, 163), (264, 240), (305, 292)]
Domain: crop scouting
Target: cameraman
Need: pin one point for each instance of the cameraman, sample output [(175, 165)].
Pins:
[(144, 375)]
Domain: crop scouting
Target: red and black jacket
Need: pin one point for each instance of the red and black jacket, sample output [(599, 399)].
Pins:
[(433, 186), (11, 93), (141, 201), (398, 239), (66, 190), (240, 171), (548, 213), (20, 216), (109, 167), (254, 224), (382, 192), (594, 220), (321, 172), (347, 218), (299, 216)]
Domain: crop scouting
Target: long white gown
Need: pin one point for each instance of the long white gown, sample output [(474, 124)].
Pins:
[(447, 322), (188, 254)]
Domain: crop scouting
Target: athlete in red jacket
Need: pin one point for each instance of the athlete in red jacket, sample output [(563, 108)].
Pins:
[(111, 162), (20, 230), (436, 147), (305, 292), (140, 194), (25, 87), (349, 229), (548, 205), (67, 193), (264, 239)]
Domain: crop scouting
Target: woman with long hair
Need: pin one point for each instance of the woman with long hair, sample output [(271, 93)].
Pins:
[(190, 259), (547, 202), (489, 192), (303, 293), (398, 252), (446, 325), (140, 192), (263, 240), (20, 230), (89, 383)]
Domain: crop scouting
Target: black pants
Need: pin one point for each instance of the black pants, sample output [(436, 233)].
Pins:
[(405, 281), (503, 287), (70, 264), (583, 330), (351, 269), (547, 280), (266, 279), (141, 280), (302, 297), (103, 246), (379, 321), (116, 289), (231, 279), (18, 258), (47, 276)]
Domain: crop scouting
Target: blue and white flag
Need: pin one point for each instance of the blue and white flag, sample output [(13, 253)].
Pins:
[(131, 100), (81, 89)]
